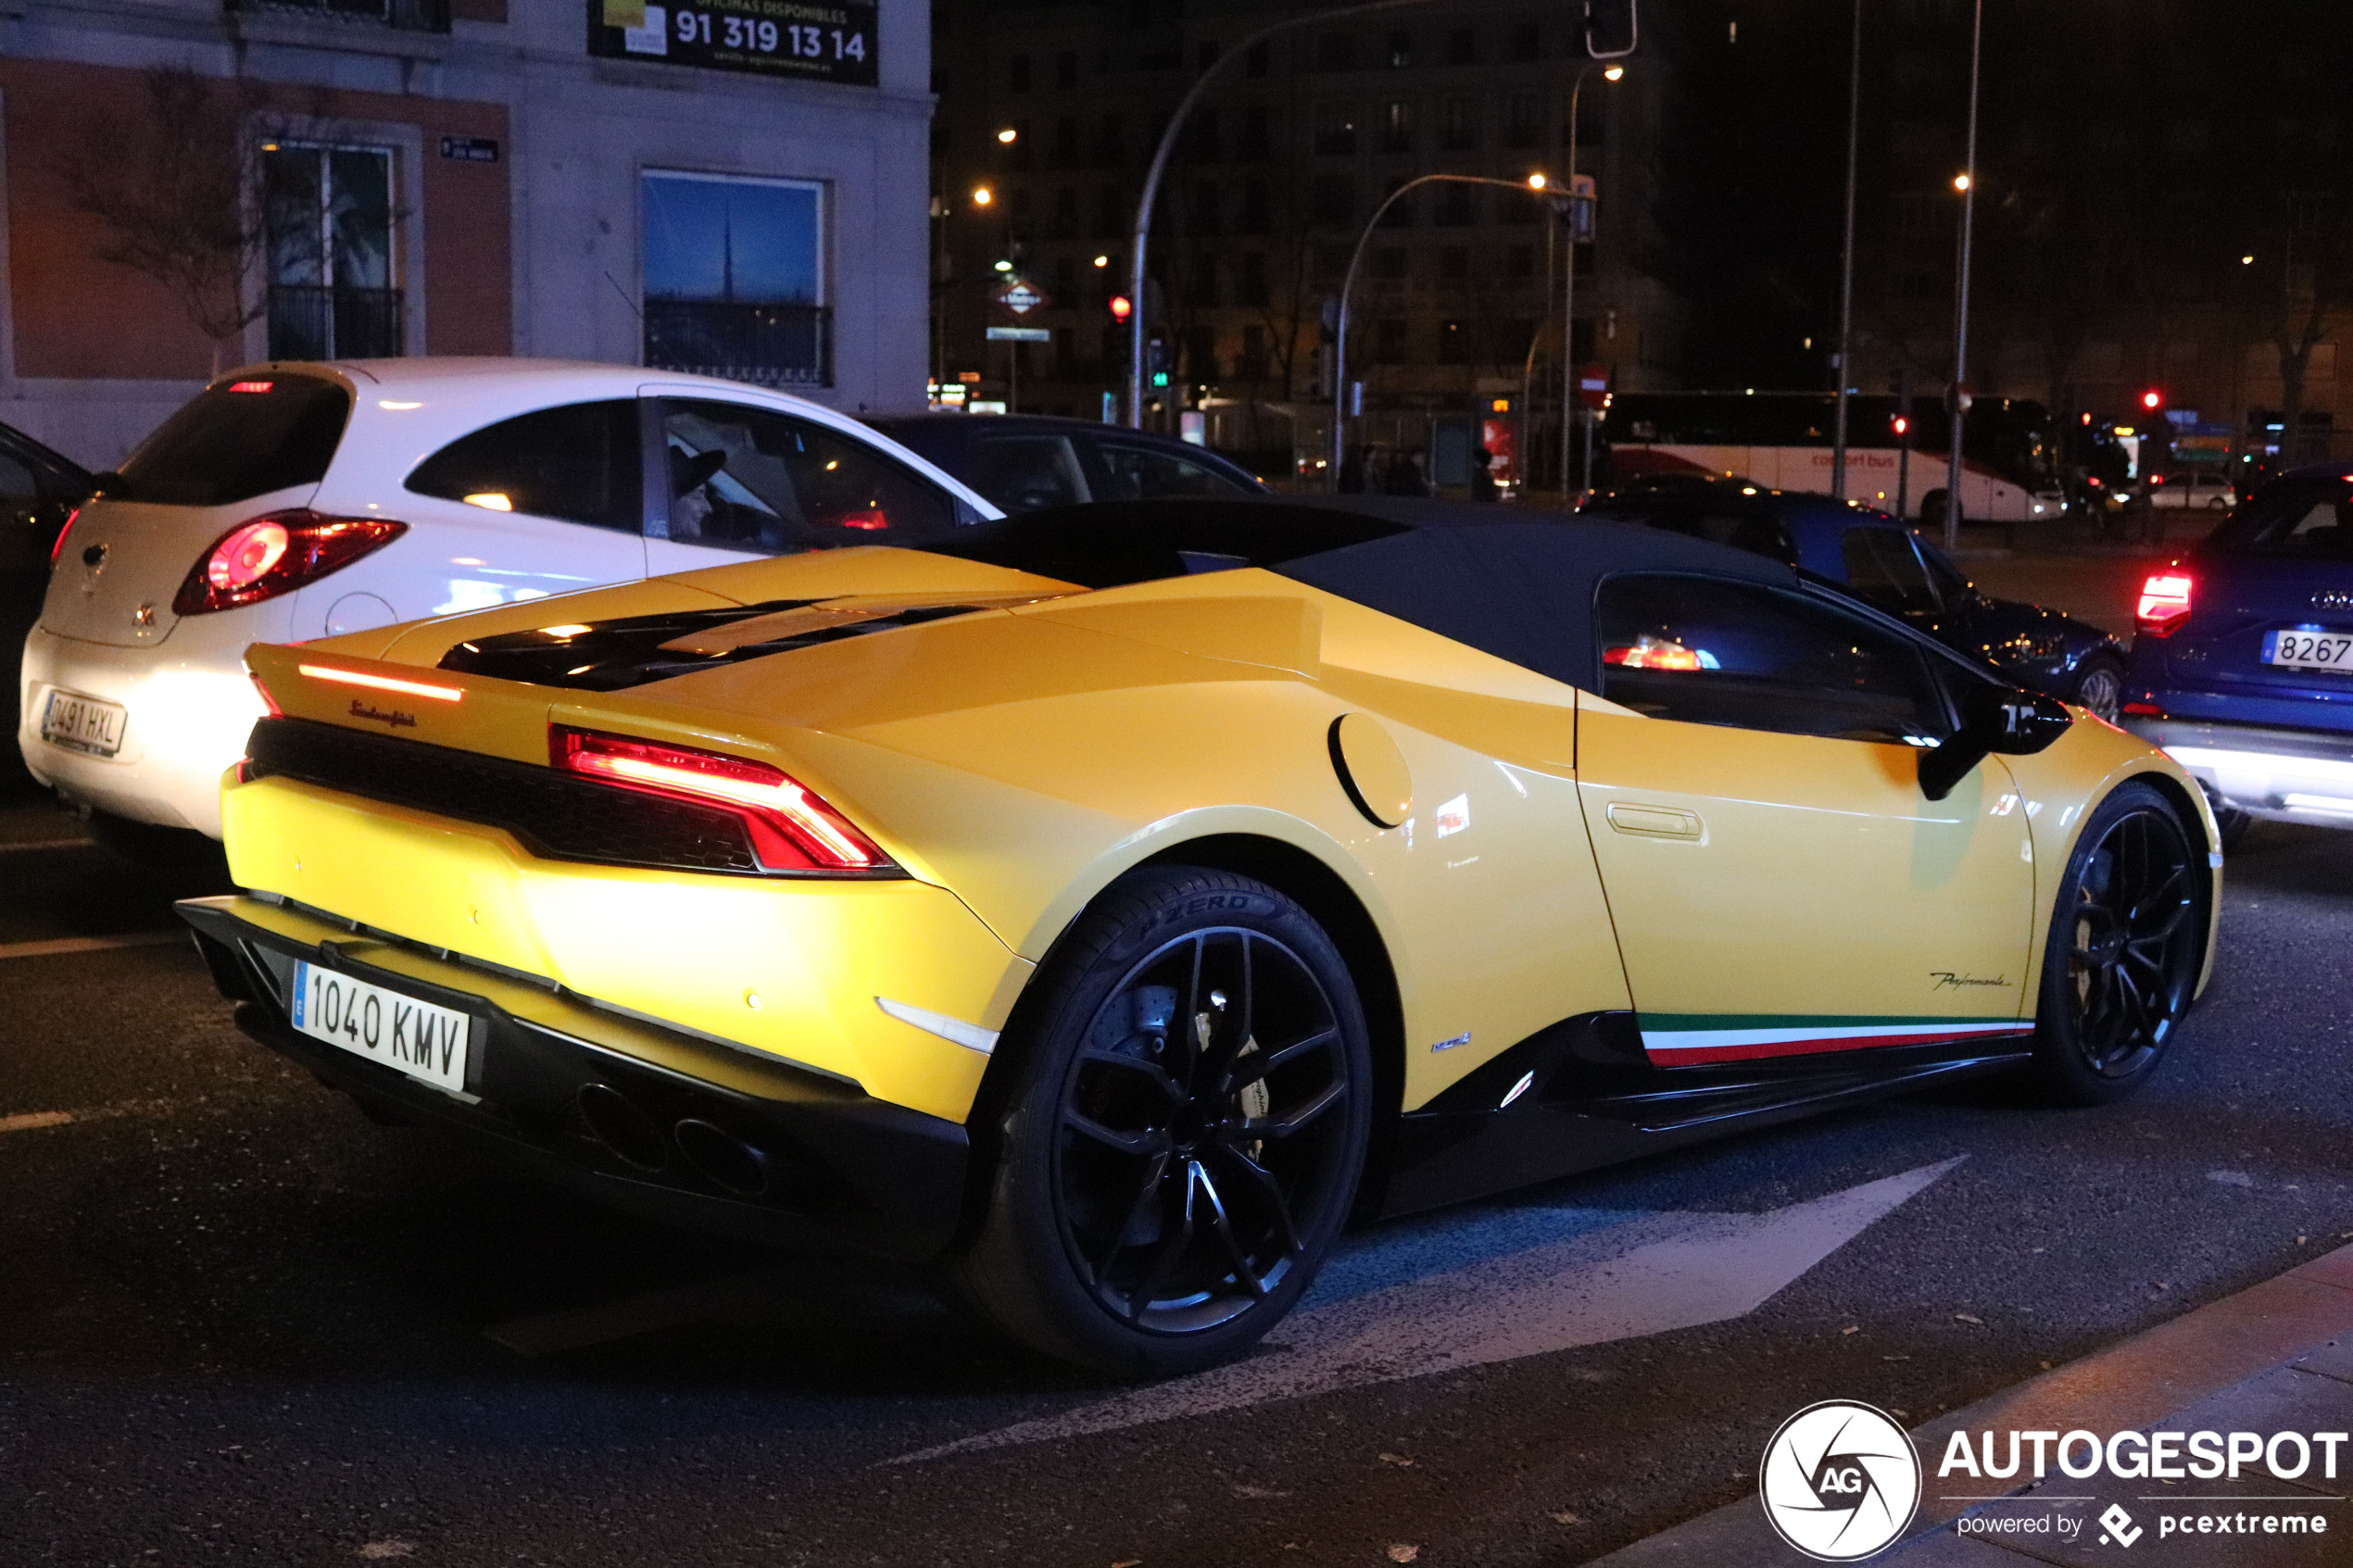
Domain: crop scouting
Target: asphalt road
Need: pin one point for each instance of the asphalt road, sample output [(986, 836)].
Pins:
[(239, 1323)]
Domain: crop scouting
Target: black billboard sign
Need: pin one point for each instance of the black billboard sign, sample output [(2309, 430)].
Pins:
[(816, 40)]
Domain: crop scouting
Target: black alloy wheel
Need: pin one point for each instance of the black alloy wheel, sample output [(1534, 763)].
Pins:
[(2127, 935), (2099, 686), (1185, 1131)]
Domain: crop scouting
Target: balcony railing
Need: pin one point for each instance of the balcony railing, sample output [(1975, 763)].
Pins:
[(405, 16), (765, 345), (314, 321)]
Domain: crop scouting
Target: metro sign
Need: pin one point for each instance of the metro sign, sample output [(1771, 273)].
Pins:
[(1593, 385), (1020, 296)]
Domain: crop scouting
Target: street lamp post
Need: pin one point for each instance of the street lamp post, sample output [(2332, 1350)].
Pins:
[(1960, 329), (1846, 261), (1568, 289), (1533, 186), (1160, 166)]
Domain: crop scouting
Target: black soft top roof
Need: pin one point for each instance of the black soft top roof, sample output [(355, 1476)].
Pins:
[(1483, 576)]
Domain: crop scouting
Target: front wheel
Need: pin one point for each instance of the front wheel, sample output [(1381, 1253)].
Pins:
[(2099, 685), (2123, 950), (1187, 1116)]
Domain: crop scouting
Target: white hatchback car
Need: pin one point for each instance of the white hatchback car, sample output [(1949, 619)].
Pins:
[(292, 501)]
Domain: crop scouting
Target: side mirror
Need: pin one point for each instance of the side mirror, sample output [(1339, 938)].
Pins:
[(1993, 718)]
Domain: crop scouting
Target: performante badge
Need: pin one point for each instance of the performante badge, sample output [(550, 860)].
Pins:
[(1840, 1481)]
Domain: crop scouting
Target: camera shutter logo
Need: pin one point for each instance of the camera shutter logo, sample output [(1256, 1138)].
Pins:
[(1840, 1481)]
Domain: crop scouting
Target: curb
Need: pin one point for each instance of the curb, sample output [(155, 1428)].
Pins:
[(2128, 1385)]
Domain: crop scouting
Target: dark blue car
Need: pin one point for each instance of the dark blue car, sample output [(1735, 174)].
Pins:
[(1885, 564), (2243, 667)]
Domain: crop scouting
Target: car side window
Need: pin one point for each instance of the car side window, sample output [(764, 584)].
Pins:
[(1026, 473), (1138, 472), (18, 485), (1702, 651), (745, 478), (1951, 586), (1883, 570), (578, 463)]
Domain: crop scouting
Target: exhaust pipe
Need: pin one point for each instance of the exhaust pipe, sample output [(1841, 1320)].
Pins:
[(723, 1159), (615, 1121)]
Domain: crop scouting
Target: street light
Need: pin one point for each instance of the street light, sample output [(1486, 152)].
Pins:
[(1846, 259), (1008, 135), (982, 196), (1160, 166), (1568, 289), (1534, 185), (1965, 182)]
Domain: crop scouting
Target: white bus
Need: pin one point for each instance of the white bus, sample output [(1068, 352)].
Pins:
[(2010, 470)]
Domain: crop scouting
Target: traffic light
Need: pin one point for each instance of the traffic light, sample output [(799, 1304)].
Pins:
[(1121, 308), (1156, 361), (1609, 29), (1902, 426), (2152, 400)]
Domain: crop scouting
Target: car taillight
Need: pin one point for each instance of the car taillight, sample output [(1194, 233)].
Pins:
[(789, 828), (57, 545), (277, 554), (2165, 603)]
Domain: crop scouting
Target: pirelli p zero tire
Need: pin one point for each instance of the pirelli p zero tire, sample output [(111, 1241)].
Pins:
[(2123, 955), (1182, 1134)]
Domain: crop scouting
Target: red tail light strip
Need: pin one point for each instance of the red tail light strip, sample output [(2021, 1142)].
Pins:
[(791, 828), (382, 683)]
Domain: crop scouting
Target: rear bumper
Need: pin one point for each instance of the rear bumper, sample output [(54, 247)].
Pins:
[(672, 1126), (190, 705), (2293, 775)]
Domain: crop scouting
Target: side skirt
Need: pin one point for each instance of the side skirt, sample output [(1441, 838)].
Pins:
[(1582, 1093)]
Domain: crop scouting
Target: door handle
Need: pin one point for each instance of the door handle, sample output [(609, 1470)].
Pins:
[(1654, 822)]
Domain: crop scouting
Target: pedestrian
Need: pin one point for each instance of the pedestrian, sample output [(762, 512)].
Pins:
[(1352, 471), (1405, 475), (1483, 486)]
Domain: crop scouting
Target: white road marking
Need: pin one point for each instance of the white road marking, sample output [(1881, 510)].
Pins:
[(56, 946), (737, 1298), (31, 843), (1641, 1275)]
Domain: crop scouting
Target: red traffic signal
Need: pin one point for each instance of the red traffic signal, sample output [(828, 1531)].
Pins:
[(2152, 400), (1901, 425), (1121, 306)]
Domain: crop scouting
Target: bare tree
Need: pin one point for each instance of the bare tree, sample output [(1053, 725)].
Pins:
[(166, 181), (2315, 246)]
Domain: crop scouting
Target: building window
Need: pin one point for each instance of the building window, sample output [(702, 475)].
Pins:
[(1527, 41), (1458, 125), (1110, 143), (1251, 364), (1249, 279), (1334, 201), (1520, 261), (1456, 204), (1066, 225), (1066, 142), (1397, 129), (1254, 145), (1017, 73), (1453, 262), (1462, 47), (1522, 126), (1066, 68), (1255, 63), (1207, 208), (329, 215), (1454, 344), (1111, 212), (734, 279), (1389, 341), (1254, 208), (1335, 129), (1401, 51), (1400, 212), (1336, 51), (407, 16), (1207, 145), (1389, 262)]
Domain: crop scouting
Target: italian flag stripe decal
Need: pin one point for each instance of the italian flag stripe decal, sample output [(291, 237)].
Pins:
[(1695, 1039)]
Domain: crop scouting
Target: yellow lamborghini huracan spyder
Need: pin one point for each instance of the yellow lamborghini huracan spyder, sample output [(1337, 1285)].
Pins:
[(1108, 903)]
